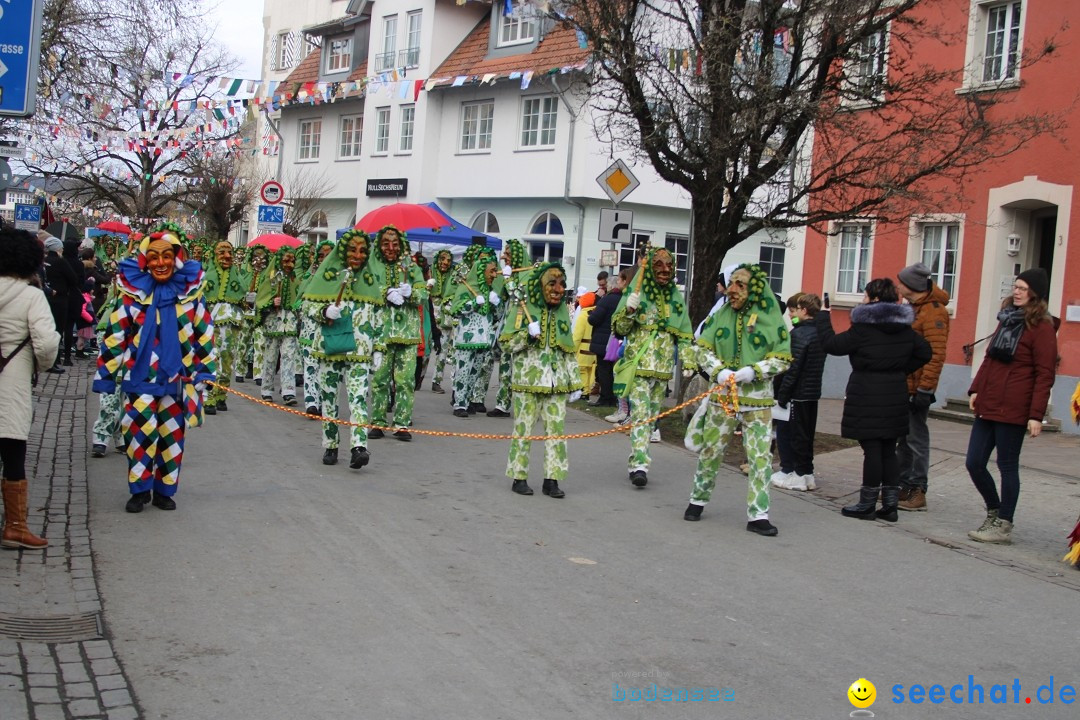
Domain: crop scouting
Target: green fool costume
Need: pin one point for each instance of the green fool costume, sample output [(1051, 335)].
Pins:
[(275, 297), (442, 292), (343, 298), (746, 340), (509, 285), (538, 340), (653, 330), (225, 290), (312, 366), (475, 308), (252, 340)]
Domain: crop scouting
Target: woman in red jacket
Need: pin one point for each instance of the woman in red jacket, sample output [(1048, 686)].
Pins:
[(1009, 397)]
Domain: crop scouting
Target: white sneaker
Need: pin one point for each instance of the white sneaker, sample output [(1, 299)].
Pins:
[(780, 479), (655, 435), (617, 417), (808, 481), (795, 482)]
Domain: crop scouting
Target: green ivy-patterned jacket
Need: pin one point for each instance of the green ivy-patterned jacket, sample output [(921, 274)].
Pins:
[(400, 324), (659, 359), (537, 365)]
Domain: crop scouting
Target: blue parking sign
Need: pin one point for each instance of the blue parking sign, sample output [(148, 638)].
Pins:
[(20, 48), (27, 217), (271, 214)]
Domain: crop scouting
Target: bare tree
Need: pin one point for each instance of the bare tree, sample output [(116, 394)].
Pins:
[(304, 189), (222, 195), (725, 98)]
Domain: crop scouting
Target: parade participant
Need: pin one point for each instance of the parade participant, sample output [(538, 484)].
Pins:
[(474, 308), (440, 286), (1073, 556), (746, 339), (312, 366), (398, 321), (275, 297), (583, 338), (345, 293), (252, 338), (515, 259), (538, 340), (652, 316), (226, 295), (110, 405), (159, 349)]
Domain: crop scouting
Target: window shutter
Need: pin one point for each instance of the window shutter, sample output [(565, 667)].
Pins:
[(292, 48), (274, 53)]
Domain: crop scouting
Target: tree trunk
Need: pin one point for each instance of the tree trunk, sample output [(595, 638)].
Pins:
[(710, 244)]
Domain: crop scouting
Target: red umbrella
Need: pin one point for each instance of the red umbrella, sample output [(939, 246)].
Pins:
[(275, 241), (111, 226), (403, 216)]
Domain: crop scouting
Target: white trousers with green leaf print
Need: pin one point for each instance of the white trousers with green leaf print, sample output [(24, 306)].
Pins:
[(528, 408), (356, 376), (646, 395), (716, 432)]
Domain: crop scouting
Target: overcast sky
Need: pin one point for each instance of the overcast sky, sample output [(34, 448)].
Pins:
[(240, 29)]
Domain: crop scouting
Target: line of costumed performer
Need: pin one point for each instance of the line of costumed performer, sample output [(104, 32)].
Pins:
[(312, 366), (226, 293), (544, 372), (275, 296), (344, 298), (159, 348), (475, 307)]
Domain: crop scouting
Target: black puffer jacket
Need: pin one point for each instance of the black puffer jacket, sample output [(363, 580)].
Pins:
[(883, 350), (802, 381), (600, 319)]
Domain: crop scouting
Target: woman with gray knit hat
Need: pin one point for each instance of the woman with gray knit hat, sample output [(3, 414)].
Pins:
[(1009, 397)]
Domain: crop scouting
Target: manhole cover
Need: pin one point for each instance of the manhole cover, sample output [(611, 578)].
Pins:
[(51, 629)]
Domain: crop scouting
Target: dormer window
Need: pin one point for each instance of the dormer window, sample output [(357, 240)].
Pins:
[(339, 55), (517, 27)]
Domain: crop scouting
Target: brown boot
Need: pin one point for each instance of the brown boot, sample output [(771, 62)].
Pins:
[(16, 533), (916, 501)]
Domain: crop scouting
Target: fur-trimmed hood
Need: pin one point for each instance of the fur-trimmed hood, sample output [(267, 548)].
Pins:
[(889, 317)]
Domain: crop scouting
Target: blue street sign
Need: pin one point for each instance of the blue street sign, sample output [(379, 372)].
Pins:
[(20, 48), (28, 213), (271, 214)]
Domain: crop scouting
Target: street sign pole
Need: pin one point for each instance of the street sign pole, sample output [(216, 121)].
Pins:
[(20, 49)]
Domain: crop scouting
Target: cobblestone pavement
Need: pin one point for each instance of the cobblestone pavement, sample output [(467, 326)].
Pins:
[(56, 658)]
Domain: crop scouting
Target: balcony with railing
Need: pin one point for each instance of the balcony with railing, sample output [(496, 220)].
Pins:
[(385, 61), (409, 58)]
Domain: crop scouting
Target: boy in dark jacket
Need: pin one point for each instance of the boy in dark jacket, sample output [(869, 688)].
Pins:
[(799, 390)]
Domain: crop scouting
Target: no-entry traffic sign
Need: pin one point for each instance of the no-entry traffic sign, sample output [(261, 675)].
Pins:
[(271, 192)]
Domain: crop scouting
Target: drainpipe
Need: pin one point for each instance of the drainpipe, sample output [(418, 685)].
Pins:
[(566, 186)]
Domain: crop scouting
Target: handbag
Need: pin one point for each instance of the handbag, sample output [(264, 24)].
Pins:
[(338, 338), (611, 352), (626, 370)]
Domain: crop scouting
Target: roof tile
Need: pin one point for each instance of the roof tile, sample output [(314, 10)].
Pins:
[(557, 49)]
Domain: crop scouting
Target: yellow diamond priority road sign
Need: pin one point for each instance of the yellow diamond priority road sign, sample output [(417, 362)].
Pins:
[(617, 181)]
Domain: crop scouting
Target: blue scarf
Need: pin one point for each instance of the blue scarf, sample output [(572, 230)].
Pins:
[(160, 331)]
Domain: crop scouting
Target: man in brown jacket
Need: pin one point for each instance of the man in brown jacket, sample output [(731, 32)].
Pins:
[(932, 322)]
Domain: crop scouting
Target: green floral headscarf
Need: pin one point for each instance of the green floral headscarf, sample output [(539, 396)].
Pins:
[(327, 281), (442, 279), (225, 286), (667, 299), (396, 272), (555, 329), (276, 282), (475, 283), (757, 331)]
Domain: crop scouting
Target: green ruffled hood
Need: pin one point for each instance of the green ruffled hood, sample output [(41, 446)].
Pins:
[(276, 282), (225, 285), (397, 272), (327, 281), (310, 268), (747, 336), (475, 283), (668, 300), (443, 280), (555, 329)]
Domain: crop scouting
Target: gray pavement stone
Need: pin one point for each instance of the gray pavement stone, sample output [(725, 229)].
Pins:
[(84, 708), (14, 705), (49, 712), (43, 695), (42, 679), (37, 665), (124, 712), (110, 682), (68, 653), (97, 650), (80, 690), (10, 664), (74, 672), (114, 698), (105, 666), (11, 682)]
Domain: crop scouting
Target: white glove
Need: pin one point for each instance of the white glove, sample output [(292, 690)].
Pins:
[(394, 296), (405, 289), (333, 312), (494, 298), (723, 375), (507, 271), (200, 387), (377, 358), (633, 301), (745, 375), (534, 328), (250, 298), (480, 300), (431, 282)]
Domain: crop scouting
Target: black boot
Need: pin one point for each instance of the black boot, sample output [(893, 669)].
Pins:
[(890, 495), (693, 512), (359, 458), (864, 509), (521, 487), (330, 456), (136, 501), (551, 488)]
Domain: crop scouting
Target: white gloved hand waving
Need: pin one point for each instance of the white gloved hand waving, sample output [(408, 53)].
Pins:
[(534, 329), (723, 375), (507, 271), (480, 300), (634, 301), (250, 298), (405, 289), (333, 312), (493, 298), (431, 282), (393, 295)]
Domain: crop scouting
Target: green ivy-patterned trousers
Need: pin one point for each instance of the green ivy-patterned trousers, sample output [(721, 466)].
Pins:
[(312, 376), (646, 396), (110, 410), (468, 375), (551, 411), (356, 377), (503, 398), (717, 429), (225, 341), (285, 349), (400, 361)]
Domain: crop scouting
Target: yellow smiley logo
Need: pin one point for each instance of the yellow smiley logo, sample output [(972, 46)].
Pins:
[(862, 693)]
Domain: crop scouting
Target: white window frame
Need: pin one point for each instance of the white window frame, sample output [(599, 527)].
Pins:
[(518, 28), (917, 251), (407, 126), (282, 48), (309, 140), (866, 71), (863, 234), (350, 136), (772, 263), (339, 54), (414, 25), (487, 221), (477, 127), (382, 130), (979, 17), (682, 259), (539, 122), (320, 228), (388, 57), (534, 241)]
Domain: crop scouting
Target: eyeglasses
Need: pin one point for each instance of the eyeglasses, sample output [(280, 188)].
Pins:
[(1022, 289)]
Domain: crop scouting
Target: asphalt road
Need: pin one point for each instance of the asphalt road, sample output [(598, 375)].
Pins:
[(421, 587)]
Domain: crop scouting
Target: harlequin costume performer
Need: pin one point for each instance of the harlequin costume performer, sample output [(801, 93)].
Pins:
[(398, 320), (159, 349), (312, 366), (275, 297), (539, 343), (514, 258), (747, 340), (252, 338), (652, 316), (226, 290), (1073, 556), (440, 287), (346, 286), (474, 307)]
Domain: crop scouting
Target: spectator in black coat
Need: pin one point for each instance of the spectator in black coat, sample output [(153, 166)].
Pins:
[(884, 350), (798, 390), (63, 283), (600, 319), (75, 296)]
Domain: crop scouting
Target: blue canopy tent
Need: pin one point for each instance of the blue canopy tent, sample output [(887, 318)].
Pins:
[(454, 233)]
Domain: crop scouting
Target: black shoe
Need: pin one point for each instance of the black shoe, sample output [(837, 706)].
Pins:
[(762, 527), (693, 512), (313, 411), (437, 389), (56, 370), (68, 363), (98, 450), (222, 406), (163, 502), (890, 496), (461, 412), (551, 488), (122, 449), (360, 458), (239, 378), (250, 373), (375, 434), (268, 398), (497, 412), (864, 509), (521, 487), (136, 501), (288, 400), (258, 381), (209, 409), (329, 456), (419, 385), (639, 478), (403, 434)]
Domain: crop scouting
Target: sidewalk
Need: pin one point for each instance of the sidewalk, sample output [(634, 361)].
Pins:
[(56, 659)]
